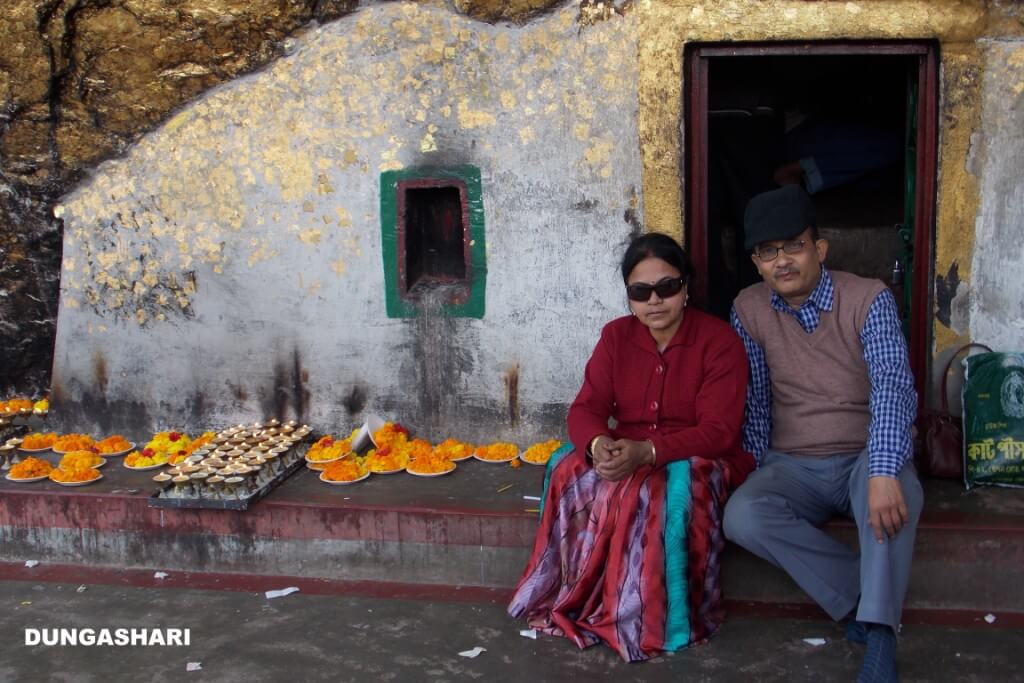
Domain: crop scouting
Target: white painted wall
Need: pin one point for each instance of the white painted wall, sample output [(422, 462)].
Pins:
[(267, 191)]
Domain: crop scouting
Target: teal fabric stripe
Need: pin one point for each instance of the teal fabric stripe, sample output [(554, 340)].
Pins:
[(677, 512), (564, 450)]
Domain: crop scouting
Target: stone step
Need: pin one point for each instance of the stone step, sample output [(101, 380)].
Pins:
[(472, 529)]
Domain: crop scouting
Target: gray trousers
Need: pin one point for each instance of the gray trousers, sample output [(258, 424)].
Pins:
[(777, 512)]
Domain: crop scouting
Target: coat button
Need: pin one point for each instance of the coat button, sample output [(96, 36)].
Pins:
[(660, 369), (653, 427), (654, 405)]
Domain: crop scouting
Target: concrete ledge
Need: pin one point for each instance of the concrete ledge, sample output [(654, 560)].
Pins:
[(969, 548)]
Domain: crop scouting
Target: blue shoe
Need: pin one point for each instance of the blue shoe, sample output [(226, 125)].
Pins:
[(880, 657), (856, 631)]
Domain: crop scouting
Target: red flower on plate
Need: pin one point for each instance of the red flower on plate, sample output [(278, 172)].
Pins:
[(174, 436)]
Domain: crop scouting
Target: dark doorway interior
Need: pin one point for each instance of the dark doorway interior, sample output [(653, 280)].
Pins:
[(836, 123), (435, 233)]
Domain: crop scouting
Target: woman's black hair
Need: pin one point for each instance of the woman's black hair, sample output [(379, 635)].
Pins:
[(659, 246)]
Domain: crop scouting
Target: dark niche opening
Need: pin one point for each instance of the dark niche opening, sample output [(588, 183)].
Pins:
[(435, 236)]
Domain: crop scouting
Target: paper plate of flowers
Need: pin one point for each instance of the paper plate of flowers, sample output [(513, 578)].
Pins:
[(431, 464), (72, 442), (146, 459), (28, 470), (497, 452), (328, 449), (455, 450), (38, 442), (387, 460), (75, 477), (540, 453), (81, 459), (114, 446), (343, 472)]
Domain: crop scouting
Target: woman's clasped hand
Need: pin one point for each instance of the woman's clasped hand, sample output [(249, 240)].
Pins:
[(615, 459)]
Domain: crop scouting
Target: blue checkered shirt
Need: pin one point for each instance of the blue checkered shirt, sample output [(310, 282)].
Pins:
[(893, 400)]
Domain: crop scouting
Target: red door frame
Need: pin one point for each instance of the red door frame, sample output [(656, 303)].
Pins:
[(695, 136)]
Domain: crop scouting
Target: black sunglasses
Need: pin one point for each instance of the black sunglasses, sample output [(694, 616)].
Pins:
[(665, 289)]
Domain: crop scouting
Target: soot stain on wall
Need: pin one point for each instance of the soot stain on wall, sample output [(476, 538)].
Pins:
[(945, 291)]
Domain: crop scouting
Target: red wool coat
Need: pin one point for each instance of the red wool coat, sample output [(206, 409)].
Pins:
[(687, 400)]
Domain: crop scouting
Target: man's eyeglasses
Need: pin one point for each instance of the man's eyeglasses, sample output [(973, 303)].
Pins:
[(665, 289), (766, 253)]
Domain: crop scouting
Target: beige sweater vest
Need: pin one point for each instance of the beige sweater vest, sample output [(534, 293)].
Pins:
[(820, 384)]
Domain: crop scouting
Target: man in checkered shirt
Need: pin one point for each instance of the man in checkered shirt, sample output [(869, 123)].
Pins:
[(830, 408)]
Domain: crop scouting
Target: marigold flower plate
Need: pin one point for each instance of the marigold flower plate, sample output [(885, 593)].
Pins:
[(431, 474), (323, 462), (531, 462), (115, 454), (26, 480), (343, 483), (77, 483), (143, 469), (33, 450), (508, 459), (400, 469)]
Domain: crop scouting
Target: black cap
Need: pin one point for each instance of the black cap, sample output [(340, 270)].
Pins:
[(777, 215)]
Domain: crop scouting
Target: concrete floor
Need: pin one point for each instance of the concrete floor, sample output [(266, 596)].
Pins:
[(246, 637)]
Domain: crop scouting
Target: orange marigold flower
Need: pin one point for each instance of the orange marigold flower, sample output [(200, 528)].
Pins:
[(540, 453), (30, 468), (74, 475), (346, 469), (113, 444), (390, 434), (430, 463), (80, 459), (515, 464), (73, 442), (39, 440), (15, 404), (499, 452), (386, 460)]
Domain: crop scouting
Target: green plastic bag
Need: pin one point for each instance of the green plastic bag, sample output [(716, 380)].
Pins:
[(993, 400)]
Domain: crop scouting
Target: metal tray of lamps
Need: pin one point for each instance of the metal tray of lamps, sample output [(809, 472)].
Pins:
[(161, 499)]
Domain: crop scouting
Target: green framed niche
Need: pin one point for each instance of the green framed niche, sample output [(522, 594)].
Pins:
[(433, 245)]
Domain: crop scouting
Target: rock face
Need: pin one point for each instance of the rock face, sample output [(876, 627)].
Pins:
[(80, 80)]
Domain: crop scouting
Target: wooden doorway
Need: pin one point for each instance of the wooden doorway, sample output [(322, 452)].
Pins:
[(751, 113)]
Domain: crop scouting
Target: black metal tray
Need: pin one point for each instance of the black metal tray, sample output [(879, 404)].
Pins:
[(155, 501)]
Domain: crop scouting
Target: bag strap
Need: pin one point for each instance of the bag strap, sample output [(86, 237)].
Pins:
[(945, 375)]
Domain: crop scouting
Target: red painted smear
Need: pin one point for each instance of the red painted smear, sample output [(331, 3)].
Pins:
[(270, 520)]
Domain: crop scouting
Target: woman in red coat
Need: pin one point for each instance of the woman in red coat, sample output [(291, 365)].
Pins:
[(630, 538)]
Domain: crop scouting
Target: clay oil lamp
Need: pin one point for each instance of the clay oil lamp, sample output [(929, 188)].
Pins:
[(231, 486), (199, 483), (182, 487), (215, 486)]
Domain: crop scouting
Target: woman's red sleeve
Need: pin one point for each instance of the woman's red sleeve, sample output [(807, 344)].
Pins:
[(589, 413)]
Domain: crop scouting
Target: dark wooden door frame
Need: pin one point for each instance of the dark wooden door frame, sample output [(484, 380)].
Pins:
[(695, 139)]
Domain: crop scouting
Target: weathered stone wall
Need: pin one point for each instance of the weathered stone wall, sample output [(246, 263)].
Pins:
[(996, 293), (80, 80), (230, 264)]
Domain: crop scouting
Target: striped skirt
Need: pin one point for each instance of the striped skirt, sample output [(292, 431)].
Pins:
[(633, 563)]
